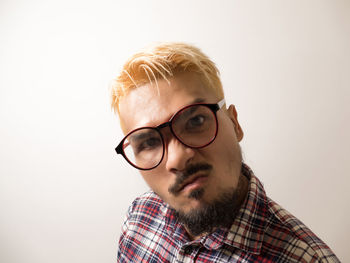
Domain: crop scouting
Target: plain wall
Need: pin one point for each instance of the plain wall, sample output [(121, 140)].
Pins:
[(64, 192)]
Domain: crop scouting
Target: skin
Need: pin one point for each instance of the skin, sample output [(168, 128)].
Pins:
[(150, 106)]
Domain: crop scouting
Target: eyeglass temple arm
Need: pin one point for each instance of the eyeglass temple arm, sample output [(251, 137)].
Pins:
[(221, 103), (119, 149)]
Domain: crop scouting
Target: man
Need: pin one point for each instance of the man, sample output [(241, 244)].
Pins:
[(205, 204)]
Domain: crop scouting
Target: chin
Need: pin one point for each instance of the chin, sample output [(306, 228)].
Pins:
[(195, 201)]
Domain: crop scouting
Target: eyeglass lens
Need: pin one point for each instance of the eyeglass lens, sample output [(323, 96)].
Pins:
[(194, 126)]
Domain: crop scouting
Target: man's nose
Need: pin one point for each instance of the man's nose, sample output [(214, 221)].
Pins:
[(177, 155)]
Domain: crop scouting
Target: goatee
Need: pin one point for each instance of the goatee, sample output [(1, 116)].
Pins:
[(220, 213)]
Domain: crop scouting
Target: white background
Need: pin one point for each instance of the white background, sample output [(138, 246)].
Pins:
[(64, 192)]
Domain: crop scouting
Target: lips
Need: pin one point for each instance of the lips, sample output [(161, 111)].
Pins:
[(193, 181), (193, 175)]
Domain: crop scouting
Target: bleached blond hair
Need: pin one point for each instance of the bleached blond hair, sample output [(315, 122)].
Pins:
[(164, 61)]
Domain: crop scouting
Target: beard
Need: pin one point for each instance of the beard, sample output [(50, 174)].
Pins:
[(219, 213)]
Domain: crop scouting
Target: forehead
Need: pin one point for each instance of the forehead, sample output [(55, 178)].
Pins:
[(155, 103)]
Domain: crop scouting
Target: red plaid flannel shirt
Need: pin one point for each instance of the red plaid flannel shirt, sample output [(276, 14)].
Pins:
[(262, 232)]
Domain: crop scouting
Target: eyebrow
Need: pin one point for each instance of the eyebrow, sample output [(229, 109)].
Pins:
[(198, 100), (141, 135), (189, 111)]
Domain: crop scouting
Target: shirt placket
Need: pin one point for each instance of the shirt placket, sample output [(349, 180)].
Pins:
[(187, 254)]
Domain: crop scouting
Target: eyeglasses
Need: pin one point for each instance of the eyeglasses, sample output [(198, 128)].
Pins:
[(195, 126)]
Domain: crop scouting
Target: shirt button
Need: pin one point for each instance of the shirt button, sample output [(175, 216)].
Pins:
[(188, 250)]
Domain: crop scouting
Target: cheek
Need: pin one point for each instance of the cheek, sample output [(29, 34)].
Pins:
[(226, 149), (226, 140), (157, 182), (227, 128)]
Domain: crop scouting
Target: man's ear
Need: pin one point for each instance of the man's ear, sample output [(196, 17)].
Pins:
[(232, 114)]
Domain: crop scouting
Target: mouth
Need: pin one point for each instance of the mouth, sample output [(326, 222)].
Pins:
[(193, 183), (192, 177)]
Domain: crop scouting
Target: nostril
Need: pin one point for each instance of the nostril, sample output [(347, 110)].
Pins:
[(177, 156)]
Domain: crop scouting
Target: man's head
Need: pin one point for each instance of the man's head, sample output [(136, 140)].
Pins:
[(195, 174)]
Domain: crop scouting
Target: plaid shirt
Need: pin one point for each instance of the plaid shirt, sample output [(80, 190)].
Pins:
[(261, 232)]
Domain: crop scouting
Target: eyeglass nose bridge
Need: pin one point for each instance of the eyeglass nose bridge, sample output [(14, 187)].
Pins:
[(163, 125), (168, 124)]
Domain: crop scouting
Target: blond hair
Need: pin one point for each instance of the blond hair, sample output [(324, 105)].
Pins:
[(163, 61)]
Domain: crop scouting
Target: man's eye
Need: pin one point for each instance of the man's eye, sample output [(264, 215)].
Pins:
[(195, 122), (149, 144)]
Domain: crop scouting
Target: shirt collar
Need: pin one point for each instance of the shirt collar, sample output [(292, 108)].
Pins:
[(247, 231)]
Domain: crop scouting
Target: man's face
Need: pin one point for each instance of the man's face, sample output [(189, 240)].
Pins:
[(217, 167)]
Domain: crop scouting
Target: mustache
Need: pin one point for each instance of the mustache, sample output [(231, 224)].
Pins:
[(188, 172)]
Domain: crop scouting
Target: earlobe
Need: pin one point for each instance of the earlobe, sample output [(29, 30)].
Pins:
[(232, 114)]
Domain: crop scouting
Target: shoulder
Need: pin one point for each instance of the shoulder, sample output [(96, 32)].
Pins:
[(147, 204), (144, 230), (146, 212), (287, 234)]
